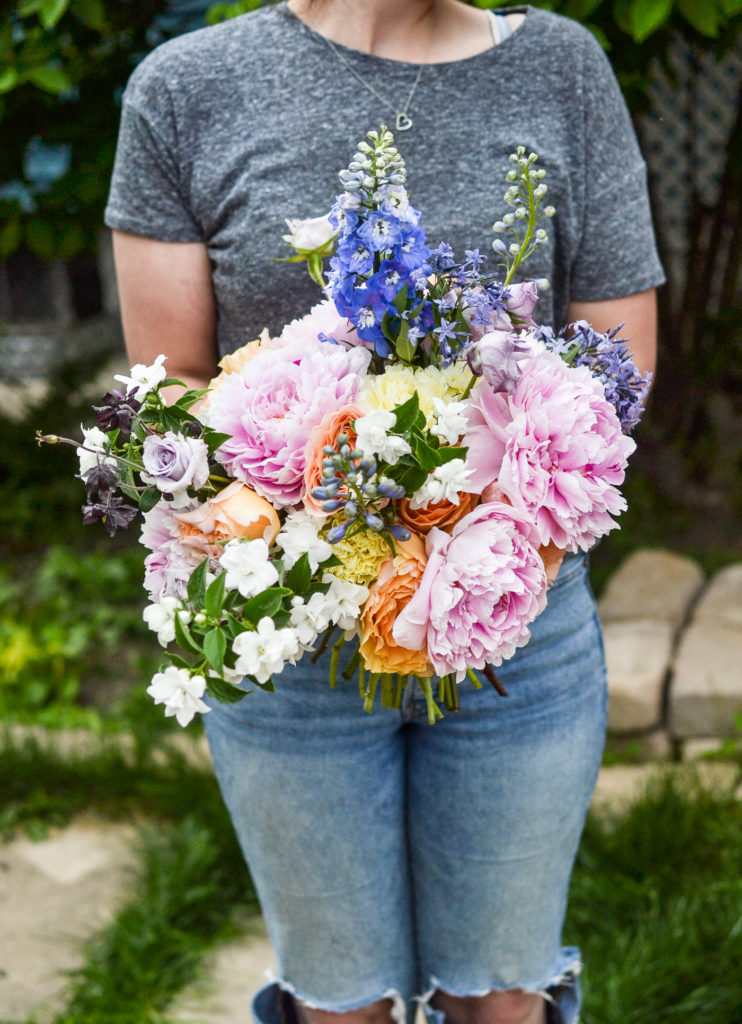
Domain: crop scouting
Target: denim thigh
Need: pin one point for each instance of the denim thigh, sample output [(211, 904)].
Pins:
[(391, 856)]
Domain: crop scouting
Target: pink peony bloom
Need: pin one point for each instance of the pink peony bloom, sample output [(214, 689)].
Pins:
[(169, 566), (272, 406), (481, 587), (322, 319), (556, 449)]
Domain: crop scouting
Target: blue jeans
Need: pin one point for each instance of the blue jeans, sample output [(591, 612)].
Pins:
[(392, 857)]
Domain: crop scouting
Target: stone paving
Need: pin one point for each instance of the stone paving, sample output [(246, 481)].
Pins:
[(674, 653)]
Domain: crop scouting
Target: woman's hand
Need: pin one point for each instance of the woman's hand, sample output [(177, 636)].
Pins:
[(638, 312), (167, 305)]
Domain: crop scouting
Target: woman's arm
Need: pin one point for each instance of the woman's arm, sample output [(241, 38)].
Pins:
[(167, 305), (638, 312)]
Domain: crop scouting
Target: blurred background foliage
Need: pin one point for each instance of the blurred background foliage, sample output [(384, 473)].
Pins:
[(66, 610)]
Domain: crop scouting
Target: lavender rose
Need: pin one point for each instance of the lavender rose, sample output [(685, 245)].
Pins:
[(499, 357), (523, 299), (481, 587), (174, 462)]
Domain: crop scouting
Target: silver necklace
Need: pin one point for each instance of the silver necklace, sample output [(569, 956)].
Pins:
[(403, 120)]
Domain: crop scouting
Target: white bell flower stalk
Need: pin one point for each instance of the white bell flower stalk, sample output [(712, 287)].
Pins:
[(265, 651), (144, 378), (180, 692), (160, 618), (248, 566), (300, 535), (373, 437)]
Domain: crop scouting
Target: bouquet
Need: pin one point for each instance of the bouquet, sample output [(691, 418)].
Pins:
[(402, 469)]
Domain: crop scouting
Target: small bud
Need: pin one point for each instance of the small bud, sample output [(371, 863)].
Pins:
[(200, 619)]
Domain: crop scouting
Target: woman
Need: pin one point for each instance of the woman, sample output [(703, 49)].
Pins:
[(393, 859)]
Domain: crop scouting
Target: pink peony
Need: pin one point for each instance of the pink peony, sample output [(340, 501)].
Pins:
[(481, 587), (556, 449), (169, 566), (322, 319), (272, 406)]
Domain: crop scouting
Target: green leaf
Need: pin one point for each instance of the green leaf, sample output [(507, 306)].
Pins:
[(184, 639), (10, 237), (214, 439), (91, 13), (581, 10), (407, 414), (403, 346), (411, 478), (266, 603), (51, 11), (197, 584), (224, 692), (148, 499), (703, 15), (299, 577), (646, 16), (731, 7), (214, 597), (215, 647), (8, 79), (426, 456), (400, 300), (451, 452), (49, 78)]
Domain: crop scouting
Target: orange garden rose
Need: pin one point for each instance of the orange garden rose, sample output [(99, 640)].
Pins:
[(325, 432), (237, 511), (398, 579), (443, 514)]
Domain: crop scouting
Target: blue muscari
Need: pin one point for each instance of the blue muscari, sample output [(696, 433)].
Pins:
[(607, 358)]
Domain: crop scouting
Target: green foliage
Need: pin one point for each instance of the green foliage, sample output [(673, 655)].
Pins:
[(223, 12)]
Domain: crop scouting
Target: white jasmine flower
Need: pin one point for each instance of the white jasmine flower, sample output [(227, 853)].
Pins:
[(300, 534), (248, 565), (451, 421), (180, 692), (160, 618), (97, 440), (144, 378), (310, 618), (444, 483), (264, 652), (373, 437), (345, 600)]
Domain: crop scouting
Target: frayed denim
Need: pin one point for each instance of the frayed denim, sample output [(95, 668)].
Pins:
[(393, 858)]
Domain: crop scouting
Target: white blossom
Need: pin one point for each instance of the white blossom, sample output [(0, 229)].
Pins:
[(310, 618), (248, 565), (444, 483), (300, 535), (265, 651), (97, 440), (144, 378), (180, 692), (373, 437), (160, 618), (451, 420), (310, 234), (345, 600)]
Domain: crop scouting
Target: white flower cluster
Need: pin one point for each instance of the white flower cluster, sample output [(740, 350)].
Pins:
[(248, 565), (160, 617), (451, 422), (444, 483), (300, 535), (373, 437), (95, 440), (180, 692), (144, 378), (340, 606)]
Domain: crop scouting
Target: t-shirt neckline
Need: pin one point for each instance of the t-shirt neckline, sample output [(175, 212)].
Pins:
[(504, 46)]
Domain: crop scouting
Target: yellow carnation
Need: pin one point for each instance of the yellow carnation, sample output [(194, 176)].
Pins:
[(361, 555), (397, 383)]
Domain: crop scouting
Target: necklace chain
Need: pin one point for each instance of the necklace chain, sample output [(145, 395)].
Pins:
[(403, 121)]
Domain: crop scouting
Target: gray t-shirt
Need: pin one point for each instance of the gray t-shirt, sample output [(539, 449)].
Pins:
[(228, 130)]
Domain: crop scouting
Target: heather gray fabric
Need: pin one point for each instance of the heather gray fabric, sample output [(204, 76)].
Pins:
[(228, 130)]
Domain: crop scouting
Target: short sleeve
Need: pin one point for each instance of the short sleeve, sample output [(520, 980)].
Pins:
[(617, 252), (147, 195)]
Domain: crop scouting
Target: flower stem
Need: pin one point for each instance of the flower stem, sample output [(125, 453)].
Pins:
[(471, 676), (370, 693), (334, 661)]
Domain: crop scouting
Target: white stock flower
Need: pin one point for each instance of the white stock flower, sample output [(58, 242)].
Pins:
[(309, 234), (96, 439), (180, 692), (248, 565), (264, 652), (451, 421), (346, 600), (160, 618), (310, 618), (444, 483), (144, 378), (373, 437), (300, 535)]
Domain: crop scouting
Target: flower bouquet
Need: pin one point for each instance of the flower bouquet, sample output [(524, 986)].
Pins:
[(401, 469)]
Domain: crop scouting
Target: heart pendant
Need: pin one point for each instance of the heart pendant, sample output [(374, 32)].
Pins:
[(403, 122)]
